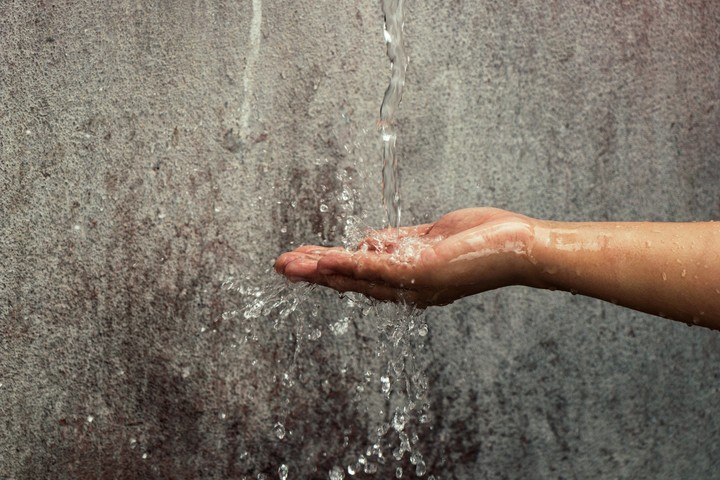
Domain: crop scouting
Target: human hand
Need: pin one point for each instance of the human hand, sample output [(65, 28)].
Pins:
[(465, 252)]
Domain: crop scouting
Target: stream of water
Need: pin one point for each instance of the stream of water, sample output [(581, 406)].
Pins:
[(393, 32), (381, 408)]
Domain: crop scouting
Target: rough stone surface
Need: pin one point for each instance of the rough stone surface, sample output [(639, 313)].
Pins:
[(156, 156)]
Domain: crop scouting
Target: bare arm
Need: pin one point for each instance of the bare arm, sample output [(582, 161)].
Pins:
[(666, 269)]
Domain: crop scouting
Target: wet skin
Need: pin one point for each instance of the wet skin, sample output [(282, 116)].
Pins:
[(667, 269)]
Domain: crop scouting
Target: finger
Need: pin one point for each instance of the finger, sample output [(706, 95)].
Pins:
[(301, 268), (286, 259), (374, 290), (316, 249), (313, 250), (371, 267)]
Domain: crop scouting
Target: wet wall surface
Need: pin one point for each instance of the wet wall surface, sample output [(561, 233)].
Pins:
[(155, 157)]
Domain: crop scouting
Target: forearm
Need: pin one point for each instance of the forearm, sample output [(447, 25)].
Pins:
[(666, 269)]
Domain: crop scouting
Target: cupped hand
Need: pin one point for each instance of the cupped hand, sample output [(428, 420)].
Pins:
[(465, 252)]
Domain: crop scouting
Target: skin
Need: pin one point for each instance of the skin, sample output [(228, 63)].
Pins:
[(666, 269)]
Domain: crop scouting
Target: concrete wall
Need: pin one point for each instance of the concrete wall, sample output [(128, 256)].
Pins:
[(156, 156)]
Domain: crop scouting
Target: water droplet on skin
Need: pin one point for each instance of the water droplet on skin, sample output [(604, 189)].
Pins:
[(283, 472), (552, 270), (420, 469), (422, 330), (90, 418), (323, 208), (684, 272), (398, 472), (664, 275)]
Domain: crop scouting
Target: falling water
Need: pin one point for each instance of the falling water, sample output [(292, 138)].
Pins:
[(382, 407), (393, 31)]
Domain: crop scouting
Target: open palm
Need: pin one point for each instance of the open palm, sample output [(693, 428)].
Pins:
[(465, 252)]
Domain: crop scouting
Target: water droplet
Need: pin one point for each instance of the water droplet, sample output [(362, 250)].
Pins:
[(279, 430), (370, 468), (336, 473), (217, 209), (315, 334), (90, 418), (398, 421), (420, 469), (340, 327), (385, 382), (664, 276), (323, 208), (145, 455), (222, 415), (283, 229), (422, 330), (283, 472), (684, 272), (552, 270), (398, 472), (648, 244)]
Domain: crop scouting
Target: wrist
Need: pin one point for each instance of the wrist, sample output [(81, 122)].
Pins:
[(542, 259)]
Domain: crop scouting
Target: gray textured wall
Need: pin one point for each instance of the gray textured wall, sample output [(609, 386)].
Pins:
[(156, 156)]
